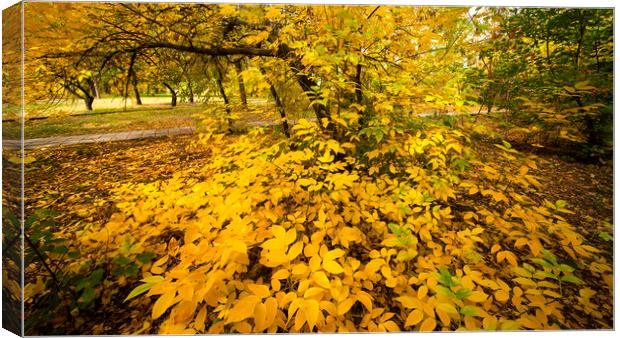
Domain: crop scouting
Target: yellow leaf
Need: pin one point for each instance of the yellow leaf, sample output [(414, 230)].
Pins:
[(186, 292), (313, 292), (444, 317), (227, 10), (422, 291), (199, 322), (163, 303), (304, 182), (409, 302), (280, 274), (243, 327), (295, 250), (320, 278), (299, 269), (161, 261), (276, 285), (271, 310), (345, 306), (260, 311), (262, 291), (477, 296), (290, 237), (333, 254), (501, 296), (525, 281), (495, 248), (386, 272), (243, 309), (489, 323), (157, 270), (448, 308), (312, 310), (327, 157), (365, 299), (391, 326), (428, 324), (414, 317), (552, 294), (332, 267), (512, 259)]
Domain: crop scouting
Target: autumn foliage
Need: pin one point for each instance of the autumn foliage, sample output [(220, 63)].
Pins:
[(315, 234), (368, 216)]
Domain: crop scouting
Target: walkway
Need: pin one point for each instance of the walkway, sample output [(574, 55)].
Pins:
[(134, 135), (94, 138)]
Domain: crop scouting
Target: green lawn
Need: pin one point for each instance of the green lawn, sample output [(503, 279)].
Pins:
[(111, 115), (115, 121)]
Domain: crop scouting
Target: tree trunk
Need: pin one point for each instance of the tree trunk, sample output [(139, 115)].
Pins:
[(242, 94), (582, 28), (93, 87), (306, 84), (281, 110), (220, 86), (191, 91), (88, 101), (134, 84), (173, 92), (358, 84), (279, 104)]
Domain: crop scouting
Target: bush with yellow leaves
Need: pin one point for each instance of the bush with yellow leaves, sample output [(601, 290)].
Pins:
[(385, 229)]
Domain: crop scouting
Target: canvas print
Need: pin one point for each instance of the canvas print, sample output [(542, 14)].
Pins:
[(193, 168)]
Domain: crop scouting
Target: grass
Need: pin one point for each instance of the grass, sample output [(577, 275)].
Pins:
[(153, 117), (76, 106), (112, 115)]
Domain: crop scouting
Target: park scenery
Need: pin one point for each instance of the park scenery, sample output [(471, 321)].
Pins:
[(225, 168)]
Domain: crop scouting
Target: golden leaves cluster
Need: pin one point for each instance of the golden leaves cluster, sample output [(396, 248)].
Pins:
[(272, 239)]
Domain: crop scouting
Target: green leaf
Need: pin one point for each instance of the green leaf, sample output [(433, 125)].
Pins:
[(559, 204), (605, 236), (139, 290), (571, 279), (10, 215), (542, 262), (445, 277), (87, 296), (131, 270), (462, 293), (145, 257), (378, 135), (117, 271), (444, 291), (549, 257), (566, 268), (122, 260), (468, 310), (544, 274), (82, 283), (60, 250), (95, 276), (394, 228)]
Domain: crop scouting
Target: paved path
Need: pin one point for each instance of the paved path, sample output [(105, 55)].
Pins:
[(134, 135), (94, 138)]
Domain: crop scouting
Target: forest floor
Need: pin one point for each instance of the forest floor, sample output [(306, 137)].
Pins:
[(71, 179), (78, 182)]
